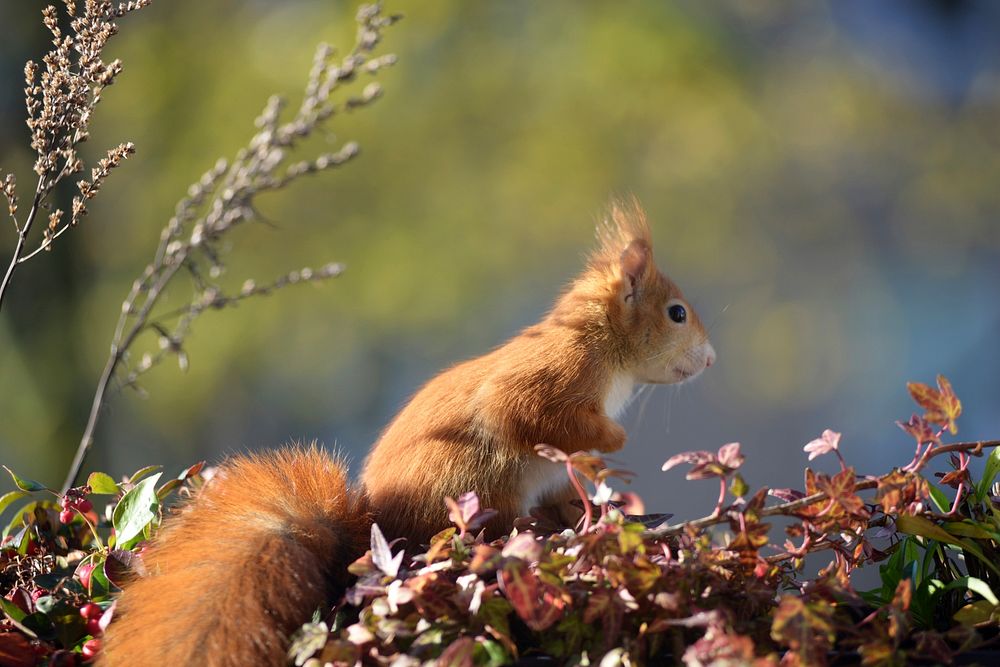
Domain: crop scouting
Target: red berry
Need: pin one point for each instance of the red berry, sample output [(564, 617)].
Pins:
[(91, 610), (37, 593), (84, 505), (66, 516), (83, 573), (91, 648), (94, 627)]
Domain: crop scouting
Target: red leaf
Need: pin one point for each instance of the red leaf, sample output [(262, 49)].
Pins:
[(920, 429), (941, 405), (459, 653), (539, 604), (466, 512), (16, 651)]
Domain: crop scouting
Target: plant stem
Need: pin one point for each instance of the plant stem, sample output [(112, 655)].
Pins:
[(118, 350), (588, 510), (21, 238)]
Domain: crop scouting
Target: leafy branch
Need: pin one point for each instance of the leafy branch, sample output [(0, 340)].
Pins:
[(790, 507)]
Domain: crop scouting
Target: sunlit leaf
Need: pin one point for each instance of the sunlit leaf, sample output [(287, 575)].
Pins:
[(135, 511), (975, 613), (941, 405), (975, 585), (382, 556), (920, 429), (102, 484), (989, 474), (143, 472), (10, 497), (25, 484)]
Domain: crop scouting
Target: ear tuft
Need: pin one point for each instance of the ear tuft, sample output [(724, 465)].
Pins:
[(625, 247)]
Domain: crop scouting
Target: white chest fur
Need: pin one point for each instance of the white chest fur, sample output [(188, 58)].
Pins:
[(619, 395), (539, 478)]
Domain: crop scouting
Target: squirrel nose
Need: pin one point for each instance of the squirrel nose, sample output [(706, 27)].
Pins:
[(709, 356)]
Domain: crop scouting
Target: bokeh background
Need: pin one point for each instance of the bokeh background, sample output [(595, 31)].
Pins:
[(822, 179)]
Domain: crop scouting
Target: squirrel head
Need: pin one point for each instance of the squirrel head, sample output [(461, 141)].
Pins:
[(652, 332)]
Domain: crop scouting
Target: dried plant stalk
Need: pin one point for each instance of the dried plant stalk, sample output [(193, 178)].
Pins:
[(223, 199), (60, 102)]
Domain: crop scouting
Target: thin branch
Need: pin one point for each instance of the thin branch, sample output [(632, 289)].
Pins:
[(21, 237), (114, 359), (45, 244)]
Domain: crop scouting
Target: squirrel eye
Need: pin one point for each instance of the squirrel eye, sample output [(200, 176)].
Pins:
[(677, 313)]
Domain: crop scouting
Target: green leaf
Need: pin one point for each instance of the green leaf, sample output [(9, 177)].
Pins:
[(100, 586), (979, 611), (918, 525), (9, 497), (102, 484), (940, 500), (25, 484), (21, 539), (136, 510), (168, 488), (496, 655), (989, 474), (12, 610), (738, 487), (977, 586), (308, 641), (142, 472), (968, 529)]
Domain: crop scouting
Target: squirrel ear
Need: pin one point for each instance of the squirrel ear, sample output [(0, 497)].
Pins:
[(634, 264)]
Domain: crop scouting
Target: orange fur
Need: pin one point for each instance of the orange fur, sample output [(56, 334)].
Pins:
[(268, 543), (239, 570)]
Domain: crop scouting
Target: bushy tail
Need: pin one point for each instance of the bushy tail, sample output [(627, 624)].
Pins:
[(264, 545)]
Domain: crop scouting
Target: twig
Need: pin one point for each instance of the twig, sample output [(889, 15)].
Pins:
[(21, 238)]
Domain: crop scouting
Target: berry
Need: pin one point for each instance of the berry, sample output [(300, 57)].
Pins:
[(37, 593), (83, 573), (94, 627), (84, 505), (91, 610), (91, 648), (66, 516)]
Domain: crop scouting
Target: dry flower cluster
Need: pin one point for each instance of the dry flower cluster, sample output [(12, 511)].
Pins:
[(60, 102), (225, 198)]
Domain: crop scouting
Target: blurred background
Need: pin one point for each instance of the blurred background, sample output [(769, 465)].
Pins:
[(822, 180)]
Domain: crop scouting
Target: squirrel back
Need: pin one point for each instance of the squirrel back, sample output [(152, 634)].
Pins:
[(268, 542)]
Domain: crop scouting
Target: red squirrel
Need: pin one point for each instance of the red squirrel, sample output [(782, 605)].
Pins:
[(267, 542)]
